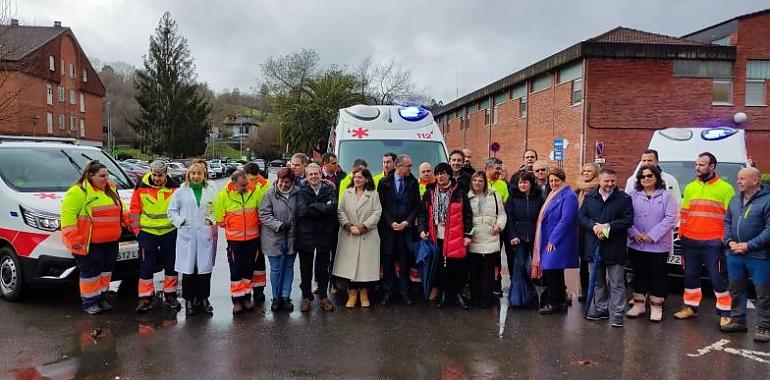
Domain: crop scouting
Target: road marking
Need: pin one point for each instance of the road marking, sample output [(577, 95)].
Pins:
[(721, 346)]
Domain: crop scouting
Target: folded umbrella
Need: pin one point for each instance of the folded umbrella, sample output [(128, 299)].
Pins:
[(425, 260), (592, 278)]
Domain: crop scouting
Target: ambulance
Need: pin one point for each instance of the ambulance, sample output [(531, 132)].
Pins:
[(34, 175), (368, 132), (679, 147)]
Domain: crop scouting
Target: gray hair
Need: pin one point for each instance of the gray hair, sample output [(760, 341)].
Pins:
[(312, 165), (237, 174), (159, 166), (302, 157), (491, 162), (401, 158)]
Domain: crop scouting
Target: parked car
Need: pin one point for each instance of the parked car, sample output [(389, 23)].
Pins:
[(261, 163), (229, 168), (177, 171), (216, 170), (133, 173)]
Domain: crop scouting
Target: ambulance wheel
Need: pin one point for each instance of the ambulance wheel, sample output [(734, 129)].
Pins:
[(11, 280)]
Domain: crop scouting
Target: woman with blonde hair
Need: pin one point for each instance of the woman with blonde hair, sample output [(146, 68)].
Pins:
[(192, 212), (588, 181)]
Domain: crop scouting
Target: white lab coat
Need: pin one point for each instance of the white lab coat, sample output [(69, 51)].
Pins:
[(196, 243)]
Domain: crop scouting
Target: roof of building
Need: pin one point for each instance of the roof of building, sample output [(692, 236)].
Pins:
[(734, 19), (620, 42), (18, 41)]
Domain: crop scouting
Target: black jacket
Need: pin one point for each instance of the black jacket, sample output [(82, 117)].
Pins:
[(316, 218), (340, 175), (464, 181), (522, 217), (618, 211), (386, 189)]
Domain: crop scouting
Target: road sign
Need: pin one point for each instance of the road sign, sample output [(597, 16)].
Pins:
[(599, 149), (495, 147), (558, 149)]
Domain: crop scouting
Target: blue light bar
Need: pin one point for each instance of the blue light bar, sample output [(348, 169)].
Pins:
[(717, 133), (412, 113)]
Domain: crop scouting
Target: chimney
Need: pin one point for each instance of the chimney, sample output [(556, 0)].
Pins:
[(14, 22), (57, 24)]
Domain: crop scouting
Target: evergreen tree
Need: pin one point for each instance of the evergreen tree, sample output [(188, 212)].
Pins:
[(174, 117)]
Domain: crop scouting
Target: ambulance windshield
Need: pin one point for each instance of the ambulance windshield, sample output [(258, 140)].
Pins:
[(52, 169), (684, 171), (372, 150)]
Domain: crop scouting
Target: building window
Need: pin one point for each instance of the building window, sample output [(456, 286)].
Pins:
[(62, 67), (49, 122), (519, 91), (725, 41), (73, 71), (501, 97), (703, 69), (757, 72), (61, 93), (486, 116), (523, 107), (571, 72), (49, 94), (73, 97), (51, 63), (82, 128), (73, 123), (82, 102), (61, 121), (85, 75), (495, 114), (541, 83), (577, 91), (723, 92)]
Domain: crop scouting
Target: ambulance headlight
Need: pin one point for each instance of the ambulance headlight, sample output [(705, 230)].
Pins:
[(412, 113), (41, 220)]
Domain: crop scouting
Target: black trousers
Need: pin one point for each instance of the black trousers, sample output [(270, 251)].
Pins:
[(451, 275), (649, 272), (554, 293), (395, 248), (196, 286), (306, 263), (482, 275)]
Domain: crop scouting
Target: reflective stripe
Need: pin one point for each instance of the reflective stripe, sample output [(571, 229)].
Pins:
[(146, 288), (90, 287), (170, 284), (692, 297), (155, 216), (705, 202), (723, 300), (705, 214), (259, 278), (238, 288)]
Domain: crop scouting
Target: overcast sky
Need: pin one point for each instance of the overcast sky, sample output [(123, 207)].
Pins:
[(448, 45)]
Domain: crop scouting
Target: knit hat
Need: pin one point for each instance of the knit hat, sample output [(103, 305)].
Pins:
[(158, 166)]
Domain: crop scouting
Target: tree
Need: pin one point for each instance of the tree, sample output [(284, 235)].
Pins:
[(8, 94), (173, 117)]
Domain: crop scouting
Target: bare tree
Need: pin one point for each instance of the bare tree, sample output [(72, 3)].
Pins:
[(8, 96), (289, 73), (391, 83)]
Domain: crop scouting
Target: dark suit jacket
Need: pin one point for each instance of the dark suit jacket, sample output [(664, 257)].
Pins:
[(390, 204)]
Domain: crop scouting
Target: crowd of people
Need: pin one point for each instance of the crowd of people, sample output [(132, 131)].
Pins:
[(373, 237)]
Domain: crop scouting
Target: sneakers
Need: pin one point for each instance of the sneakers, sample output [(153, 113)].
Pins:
[(94, 309), (305, 305), (327, 305), (104, 305), (728, 325), (762, 335), (617, 323), (144, 305), (686, 312), (638, 307), (598, 316)]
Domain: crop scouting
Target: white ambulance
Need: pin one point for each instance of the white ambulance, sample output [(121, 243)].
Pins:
[(34, 175), (368, 132)]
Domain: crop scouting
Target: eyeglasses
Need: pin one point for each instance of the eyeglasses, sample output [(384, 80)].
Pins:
[(539, 170), (647, 176)]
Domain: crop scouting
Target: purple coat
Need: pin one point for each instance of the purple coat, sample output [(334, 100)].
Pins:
[(655, 217), (559, 227)]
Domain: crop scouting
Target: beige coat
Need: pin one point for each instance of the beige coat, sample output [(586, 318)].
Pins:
[(483, 241), (358, 257)]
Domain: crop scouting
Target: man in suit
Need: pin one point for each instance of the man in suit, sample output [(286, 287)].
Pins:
[(400, 198)]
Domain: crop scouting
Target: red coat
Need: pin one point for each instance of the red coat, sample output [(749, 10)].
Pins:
[(458, 224)]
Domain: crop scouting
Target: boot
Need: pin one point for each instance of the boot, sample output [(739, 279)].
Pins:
[(365, 297), (352, 298), (189, 307), (638, 308), (656, 309)]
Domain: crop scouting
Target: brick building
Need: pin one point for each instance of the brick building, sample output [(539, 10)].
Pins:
[(617, 88), (49, 87)]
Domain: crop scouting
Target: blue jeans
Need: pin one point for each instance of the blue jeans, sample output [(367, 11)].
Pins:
[(739, 269), (281, 278)]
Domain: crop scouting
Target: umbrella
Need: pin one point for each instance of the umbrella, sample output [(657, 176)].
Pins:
[(426, 261), (592, 278)]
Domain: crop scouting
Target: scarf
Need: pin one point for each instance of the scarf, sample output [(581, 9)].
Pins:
[(536, 271), (197, 189), (440, 203), (284, 193), (582, 188)]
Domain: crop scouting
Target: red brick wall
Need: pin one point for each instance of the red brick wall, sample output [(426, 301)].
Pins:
[(31, 101)]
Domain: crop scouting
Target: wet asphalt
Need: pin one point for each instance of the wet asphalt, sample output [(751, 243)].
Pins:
[(47, 336)]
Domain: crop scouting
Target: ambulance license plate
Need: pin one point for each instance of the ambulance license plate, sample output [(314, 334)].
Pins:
[(128, 250), (674, 259)]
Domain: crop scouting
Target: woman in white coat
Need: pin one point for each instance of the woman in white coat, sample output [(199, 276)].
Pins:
[(489, 220), (191, 211), (358, 246)]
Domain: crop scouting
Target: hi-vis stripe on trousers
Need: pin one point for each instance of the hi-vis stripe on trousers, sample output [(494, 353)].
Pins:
[(240, 256), (155, 249), (96, 271), (696, 255), (259, 278)]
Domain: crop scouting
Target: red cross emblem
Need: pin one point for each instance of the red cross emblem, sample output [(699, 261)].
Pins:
[(46, 195), (360, 132)]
